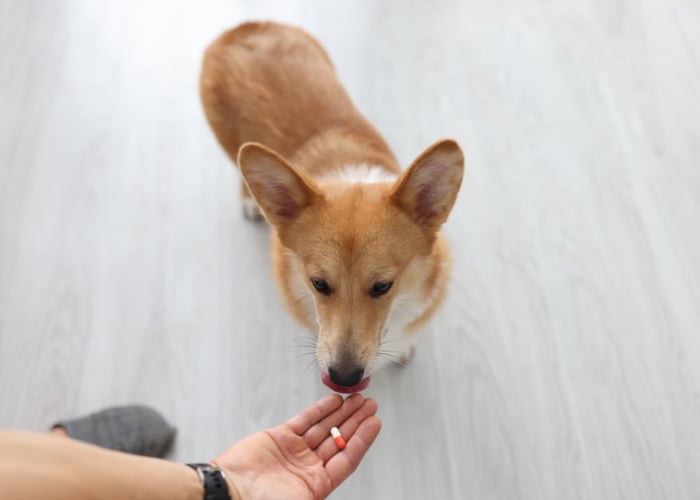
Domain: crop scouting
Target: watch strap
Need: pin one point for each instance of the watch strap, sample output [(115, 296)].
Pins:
[(213, 480)]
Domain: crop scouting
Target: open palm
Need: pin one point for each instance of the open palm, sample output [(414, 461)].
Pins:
[(299, 459)]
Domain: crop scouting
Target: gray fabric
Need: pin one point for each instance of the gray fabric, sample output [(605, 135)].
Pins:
[(133, 429)]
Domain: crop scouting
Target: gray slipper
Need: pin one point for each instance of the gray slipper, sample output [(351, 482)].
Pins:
[(134, 429)]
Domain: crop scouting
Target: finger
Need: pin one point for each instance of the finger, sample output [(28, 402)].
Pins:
[(342, 464), (320, 409), (320, 431), (328, 448)]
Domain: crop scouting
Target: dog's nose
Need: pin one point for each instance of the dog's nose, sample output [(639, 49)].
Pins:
[(346, 377)]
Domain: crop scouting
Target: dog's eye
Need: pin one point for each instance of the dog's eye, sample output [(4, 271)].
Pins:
[(380, 288), (321, 286)]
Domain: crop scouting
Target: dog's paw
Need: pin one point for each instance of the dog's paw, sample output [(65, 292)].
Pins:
[(406, 357), (251, 210)]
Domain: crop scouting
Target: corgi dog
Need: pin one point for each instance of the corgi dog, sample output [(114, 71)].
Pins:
[(356, 246)]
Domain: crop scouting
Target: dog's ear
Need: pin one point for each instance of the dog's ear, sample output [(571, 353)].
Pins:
[(278, 188), (428, 189)]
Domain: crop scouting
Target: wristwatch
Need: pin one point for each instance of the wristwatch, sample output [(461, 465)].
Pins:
[(213, 480)]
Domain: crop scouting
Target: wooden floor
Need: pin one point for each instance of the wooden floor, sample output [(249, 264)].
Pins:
[(565, 363)]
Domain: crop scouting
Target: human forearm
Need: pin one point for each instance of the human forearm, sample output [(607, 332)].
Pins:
[(56, 468)]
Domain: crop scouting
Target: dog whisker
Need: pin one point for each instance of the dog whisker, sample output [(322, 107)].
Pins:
[(305, 354), (396, 354), (392, 357), (306, 341), (384, 342), (389, 351), (312, 364)]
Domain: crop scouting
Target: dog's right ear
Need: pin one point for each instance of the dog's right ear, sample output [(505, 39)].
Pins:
[(279, 189)]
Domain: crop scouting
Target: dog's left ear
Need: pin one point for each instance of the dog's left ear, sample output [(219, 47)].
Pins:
[(428, 189)]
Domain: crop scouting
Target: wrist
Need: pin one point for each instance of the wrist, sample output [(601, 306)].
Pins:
[(198, 481), (233, 485)]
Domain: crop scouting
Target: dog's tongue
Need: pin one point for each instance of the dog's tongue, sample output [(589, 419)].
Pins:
[(345, 389)]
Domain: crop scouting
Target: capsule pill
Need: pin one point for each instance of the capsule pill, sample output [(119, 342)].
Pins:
[(339, 441)]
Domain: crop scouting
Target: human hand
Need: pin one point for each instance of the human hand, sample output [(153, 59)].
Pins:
[(299, 459)]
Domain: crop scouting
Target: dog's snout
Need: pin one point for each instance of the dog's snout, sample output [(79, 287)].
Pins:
[(346, 377)]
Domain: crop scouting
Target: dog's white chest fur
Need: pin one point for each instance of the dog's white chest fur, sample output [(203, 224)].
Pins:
[(360, 174)]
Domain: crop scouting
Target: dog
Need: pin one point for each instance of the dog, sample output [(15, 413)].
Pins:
[(356, 246)]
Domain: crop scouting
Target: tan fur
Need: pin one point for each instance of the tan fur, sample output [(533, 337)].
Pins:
[(271, 96)]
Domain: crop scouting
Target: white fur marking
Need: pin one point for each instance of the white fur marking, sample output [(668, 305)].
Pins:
[(362, 173)]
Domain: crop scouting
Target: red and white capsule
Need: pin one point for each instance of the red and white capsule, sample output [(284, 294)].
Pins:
[(339, 441)]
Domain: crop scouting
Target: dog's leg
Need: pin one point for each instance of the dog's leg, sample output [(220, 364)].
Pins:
[(400, 349), (408, 356), (251, 210), (406, 348)]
